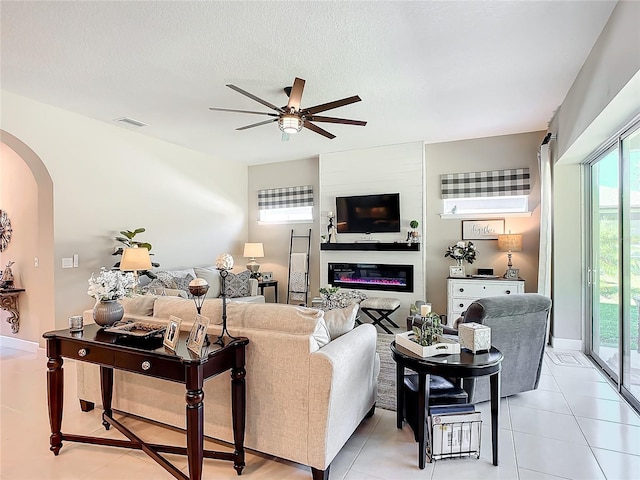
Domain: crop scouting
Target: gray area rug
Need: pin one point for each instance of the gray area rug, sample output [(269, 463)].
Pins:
[(387, 378)]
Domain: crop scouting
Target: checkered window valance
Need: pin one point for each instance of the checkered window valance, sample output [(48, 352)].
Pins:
[(494, 183), (286, 197)]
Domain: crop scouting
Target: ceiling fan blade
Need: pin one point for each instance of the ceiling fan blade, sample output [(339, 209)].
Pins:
[(317, 129), (296, 94), (285, 137), (328, 106), (318, 118), (257, 124), (253, 97), (242, 111)]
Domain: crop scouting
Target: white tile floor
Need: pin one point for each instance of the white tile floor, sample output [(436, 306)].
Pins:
[(574, 426)]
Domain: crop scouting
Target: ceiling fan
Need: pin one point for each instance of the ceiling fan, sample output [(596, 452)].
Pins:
[(291, 118)]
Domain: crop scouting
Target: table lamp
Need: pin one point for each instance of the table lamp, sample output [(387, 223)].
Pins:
[(134, 259), (251, 251), (510, 242)]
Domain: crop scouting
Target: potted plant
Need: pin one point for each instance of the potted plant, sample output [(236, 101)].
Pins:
[(414, 235), (107, 288), (462, 251)]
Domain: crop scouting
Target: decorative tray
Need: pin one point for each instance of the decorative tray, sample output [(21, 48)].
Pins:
[(445, 346), (138, 329)]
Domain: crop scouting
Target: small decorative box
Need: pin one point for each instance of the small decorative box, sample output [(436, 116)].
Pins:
[(443, 347), (475, 337)]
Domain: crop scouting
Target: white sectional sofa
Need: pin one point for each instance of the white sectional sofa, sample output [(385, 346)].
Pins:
[(306, 392)]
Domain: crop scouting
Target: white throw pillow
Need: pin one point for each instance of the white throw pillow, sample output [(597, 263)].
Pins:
[(341, 320), (212, 276)]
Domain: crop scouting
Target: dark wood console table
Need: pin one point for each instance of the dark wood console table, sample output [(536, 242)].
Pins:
[(94, 345), (9, 302)]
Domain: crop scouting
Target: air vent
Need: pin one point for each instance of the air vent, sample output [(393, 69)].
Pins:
[(131, 122)]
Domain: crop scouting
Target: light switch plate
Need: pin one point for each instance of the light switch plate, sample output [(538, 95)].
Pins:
[(67, 262)]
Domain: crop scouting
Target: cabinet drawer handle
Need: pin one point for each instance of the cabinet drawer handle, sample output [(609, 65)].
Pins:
[(83, 352), (462, 290), (508, 292), (146, 365), (461, 305)]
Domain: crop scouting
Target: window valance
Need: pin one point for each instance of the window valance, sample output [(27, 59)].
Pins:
[(493, 183), (285, 197)]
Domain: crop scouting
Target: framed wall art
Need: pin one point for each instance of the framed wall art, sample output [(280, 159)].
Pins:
[(482, 229)]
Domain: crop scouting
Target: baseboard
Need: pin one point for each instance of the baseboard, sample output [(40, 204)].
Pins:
[(18, 344), (566, 344)]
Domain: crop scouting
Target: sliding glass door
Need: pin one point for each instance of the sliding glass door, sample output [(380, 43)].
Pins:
[(614, 270)]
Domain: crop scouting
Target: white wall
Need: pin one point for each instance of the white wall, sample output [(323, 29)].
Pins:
[(276, 238), (475, 155), (604, 97), (108, 178), (388, 169)]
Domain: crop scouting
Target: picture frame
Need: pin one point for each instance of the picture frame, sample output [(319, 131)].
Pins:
[(267, 276), (482, 229), (172, 333), (457, 271), (512, 273), (198, 334)]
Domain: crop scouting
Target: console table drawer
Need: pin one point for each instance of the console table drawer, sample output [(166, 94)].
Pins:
[(86, 353), (477, 289), (149, 365)]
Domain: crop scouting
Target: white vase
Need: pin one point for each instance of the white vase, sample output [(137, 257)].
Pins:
[(107, 312)]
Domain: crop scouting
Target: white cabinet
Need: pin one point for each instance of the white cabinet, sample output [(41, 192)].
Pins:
[(461, 292)]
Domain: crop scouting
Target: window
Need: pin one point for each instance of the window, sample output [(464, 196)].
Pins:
[(286, 205), (467, 206), (489, 192)]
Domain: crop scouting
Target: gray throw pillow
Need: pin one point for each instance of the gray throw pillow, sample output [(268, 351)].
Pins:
[(237, 285)]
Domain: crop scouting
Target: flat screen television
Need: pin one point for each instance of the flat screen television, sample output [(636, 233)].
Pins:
[(368, 213)]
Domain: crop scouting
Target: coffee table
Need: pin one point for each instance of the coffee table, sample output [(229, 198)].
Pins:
[(462, 365), (95, 345)]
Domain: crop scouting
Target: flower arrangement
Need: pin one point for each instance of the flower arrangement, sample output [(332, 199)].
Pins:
[(110, 285), (462, 251)]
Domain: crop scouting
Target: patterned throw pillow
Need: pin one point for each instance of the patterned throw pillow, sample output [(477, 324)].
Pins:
[(182, 283), (237, 285), (166, 279)]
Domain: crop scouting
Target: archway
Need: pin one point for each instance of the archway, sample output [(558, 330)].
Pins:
[(36, 240)]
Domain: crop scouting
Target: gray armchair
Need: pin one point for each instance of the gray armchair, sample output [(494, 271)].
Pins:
[(518, 329)]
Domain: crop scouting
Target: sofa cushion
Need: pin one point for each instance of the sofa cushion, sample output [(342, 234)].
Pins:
[(237, 284), (340, 320), (212, 276), (279, 317), (138, 304), (186, 310)]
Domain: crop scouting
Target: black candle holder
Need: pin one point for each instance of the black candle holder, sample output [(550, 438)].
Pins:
[(223, 284)]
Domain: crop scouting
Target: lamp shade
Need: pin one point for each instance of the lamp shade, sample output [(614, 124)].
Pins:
[(510, 242), (253, 250), (135, 259)]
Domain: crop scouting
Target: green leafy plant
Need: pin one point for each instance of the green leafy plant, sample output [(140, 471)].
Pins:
[(427, 333), (414, 224), (127, 241), (328, 290)]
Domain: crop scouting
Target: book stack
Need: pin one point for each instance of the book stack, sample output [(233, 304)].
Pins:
[(456, 431)]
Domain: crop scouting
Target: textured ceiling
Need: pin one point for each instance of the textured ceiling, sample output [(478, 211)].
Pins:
[(432, 70)]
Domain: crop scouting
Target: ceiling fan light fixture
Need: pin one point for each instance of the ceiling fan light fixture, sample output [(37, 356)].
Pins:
[(290, 123)]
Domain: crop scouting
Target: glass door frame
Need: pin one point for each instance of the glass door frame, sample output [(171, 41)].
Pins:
[(619, 377)]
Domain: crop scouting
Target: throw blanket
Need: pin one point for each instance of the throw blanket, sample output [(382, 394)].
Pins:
[(298, 277)]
